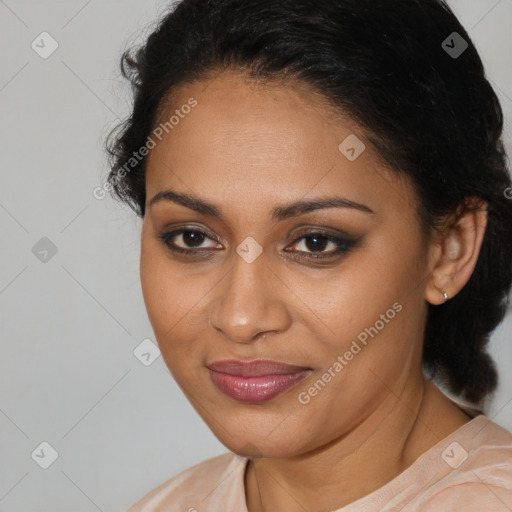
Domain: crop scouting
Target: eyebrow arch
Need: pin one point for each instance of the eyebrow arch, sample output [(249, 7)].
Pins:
[(279, 214)]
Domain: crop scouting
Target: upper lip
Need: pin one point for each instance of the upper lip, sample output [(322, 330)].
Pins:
[(257, 368)]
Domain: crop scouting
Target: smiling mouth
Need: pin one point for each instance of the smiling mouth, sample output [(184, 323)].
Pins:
[(256, 381)]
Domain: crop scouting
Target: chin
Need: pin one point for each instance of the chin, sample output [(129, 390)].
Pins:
[(258, 444)]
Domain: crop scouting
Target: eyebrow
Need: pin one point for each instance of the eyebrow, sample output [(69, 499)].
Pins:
[(279, 214)]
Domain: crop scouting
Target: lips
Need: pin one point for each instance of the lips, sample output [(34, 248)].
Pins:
[(257, 368), (255, 381)]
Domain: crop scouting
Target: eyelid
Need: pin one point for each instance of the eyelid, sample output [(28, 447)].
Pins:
[(180, 231), (190, 227), (313, 230)]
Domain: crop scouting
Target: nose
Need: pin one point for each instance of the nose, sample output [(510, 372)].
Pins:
[(250, 302)]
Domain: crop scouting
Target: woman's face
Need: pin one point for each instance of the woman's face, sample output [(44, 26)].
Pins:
[(263, 282)]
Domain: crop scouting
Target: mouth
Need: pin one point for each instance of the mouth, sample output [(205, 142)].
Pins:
[(256, 381)]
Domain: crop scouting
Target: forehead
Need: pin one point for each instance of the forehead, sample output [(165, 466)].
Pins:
[(244, 140)]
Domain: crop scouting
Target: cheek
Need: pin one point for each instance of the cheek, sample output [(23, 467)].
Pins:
[(174, 306), (165, 299), (372, 309), (155, 288), (352, 297), (165, 294)]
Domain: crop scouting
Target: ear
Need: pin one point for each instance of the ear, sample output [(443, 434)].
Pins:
[(453, 257)]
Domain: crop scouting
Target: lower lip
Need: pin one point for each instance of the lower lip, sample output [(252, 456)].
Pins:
[(256, 389)]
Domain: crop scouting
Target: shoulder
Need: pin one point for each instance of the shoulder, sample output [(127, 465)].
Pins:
[(192, 489), (479, 475)]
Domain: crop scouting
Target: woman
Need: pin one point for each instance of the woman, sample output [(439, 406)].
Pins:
[(326, 240)]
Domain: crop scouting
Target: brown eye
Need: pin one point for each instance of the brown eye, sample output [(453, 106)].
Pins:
[(314, 245), (191, 240)]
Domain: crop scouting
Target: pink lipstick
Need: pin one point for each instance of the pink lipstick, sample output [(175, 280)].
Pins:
[(255, 381)]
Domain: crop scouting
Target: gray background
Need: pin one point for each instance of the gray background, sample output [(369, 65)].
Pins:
[(70, 321)]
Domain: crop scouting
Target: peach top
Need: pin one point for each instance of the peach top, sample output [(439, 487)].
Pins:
[(470, 470)]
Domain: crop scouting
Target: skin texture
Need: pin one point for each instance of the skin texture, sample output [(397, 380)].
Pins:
[(248, 148)]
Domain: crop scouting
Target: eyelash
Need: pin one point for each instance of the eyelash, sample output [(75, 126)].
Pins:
[(343, 245)]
